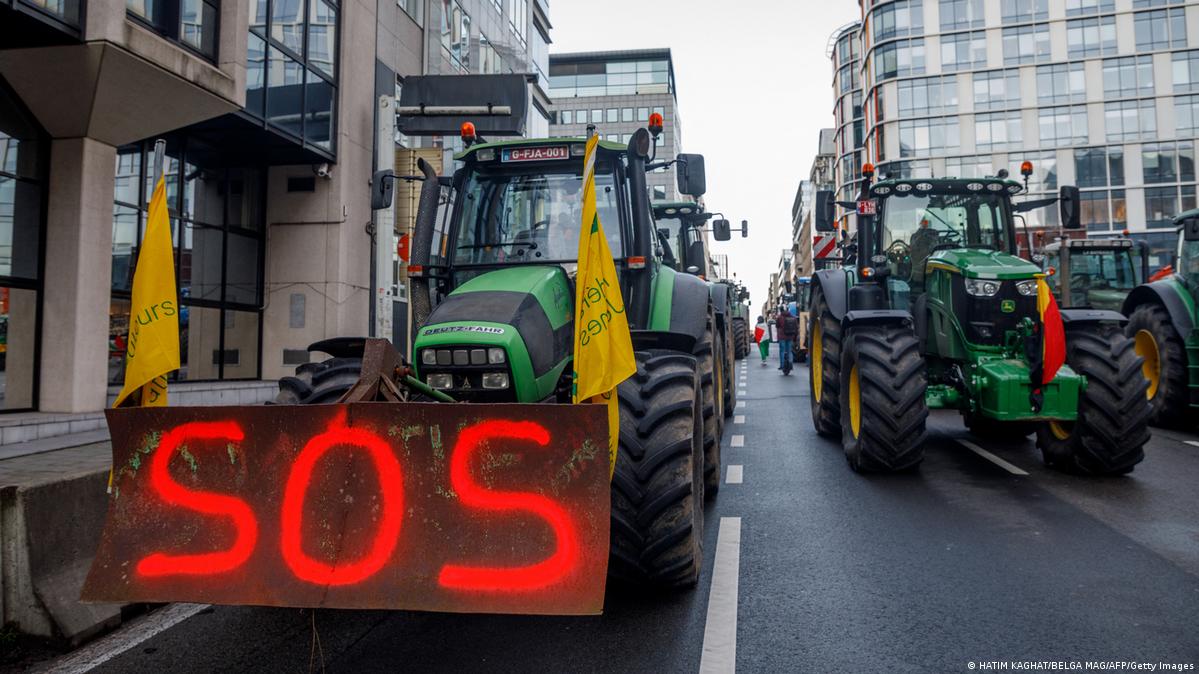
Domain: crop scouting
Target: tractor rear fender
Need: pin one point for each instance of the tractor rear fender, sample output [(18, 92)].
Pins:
[(1168, 293), (679, 314), (720, 300), (835, 290), (1076, 317), (876, 317)]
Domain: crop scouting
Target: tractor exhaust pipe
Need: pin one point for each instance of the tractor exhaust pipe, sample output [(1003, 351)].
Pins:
[(422, 243)]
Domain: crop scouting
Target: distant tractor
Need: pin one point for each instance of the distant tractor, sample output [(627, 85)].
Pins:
[(803, 300), (1095, 273), (741, 323), (935, 310), (1161, 321)]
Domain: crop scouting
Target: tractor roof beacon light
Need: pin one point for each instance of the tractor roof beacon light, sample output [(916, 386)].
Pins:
[(656, 124), (868, 171), (1026, 171), (468, 134)]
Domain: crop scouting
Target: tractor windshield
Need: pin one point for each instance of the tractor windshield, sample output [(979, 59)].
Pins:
[(514, 217), (1101, 278), (686, 250), (917, 225)]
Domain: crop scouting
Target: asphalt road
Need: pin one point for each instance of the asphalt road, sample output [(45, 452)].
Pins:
[(964, 561)]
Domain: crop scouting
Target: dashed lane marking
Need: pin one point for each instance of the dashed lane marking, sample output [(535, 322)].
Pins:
[(735, 475), (720, 628), (129, 636), (739, 419), (738, 441), (1014, 470), (1193, 443)]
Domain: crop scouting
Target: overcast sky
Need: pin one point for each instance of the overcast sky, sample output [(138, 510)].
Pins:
[(754, 89)]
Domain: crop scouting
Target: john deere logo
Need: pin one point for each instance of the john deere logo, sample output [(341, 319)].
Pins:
[(1008, 306)]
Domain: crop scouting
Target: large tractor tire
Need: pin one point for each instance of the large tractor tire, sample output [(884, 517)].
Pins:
[(730, 376), (658, 484), (1165, 363), (708, 358), (319, 383), (824, 374), (740, 338), (1113, 412), (883, 412)]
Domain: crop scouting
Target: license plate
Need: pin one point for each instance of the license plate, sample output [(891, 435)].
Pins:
[(519, 154), (867, 207)]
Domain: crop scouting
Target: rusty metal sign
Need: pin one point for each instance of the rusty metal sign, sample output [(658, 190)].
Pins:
[(437, 507)]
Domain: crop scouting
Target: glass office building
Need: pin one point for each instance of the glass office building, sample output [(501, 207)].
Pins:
[(1097, 93)]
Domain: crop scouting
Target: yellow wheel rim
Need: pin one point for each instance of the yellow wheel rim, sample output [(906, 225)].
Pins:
[(1146, 347), (855, 402), (817, 364), (1061, 429)]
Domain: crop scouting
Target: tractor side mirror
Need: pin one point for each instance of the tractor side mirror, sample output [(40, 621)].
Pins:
[(824, 211), (722, 230), (382, 187), (1069, 202), (1190, 229), (745, 229), (692, 180)]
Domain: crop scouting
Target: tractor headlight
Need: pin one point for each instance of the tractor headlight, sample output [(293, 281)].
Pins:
[(443, 382), (1027, 288), (496, 356), (981, 288), (495, 380), (428, 357)]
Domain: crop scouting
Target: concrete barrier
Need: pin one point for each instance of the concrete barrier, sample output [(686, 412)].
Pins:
[(49, 531)]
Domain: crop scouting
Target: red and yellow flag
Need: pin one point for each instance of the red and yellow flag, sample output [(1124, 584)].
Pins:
[(1053, 333), (153, 347)]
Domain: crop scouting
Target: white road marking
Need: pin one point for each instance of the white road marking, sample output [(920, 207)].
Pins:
[(740, 403), (735, 475), (739, 419), (720, 629), (129, 636), (992, 458), (1193, 443), (738, 441)]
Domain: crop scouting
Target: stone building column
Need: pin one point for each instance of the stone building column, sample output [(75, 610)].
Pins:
[(78, 276)]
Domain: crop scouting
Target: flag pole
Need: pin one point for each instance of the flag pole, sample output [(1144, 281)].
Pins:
[(160, 155)]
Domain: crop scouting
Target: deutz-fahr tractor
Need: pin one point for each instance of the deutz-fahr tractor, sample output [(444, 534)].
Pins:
[(1095, 273), (935, 310), (680, 228), (1162, 320)]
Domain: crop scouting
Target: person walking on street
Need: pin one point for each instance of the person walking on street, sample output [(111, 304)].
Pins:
[(788, 329), (762, 337)]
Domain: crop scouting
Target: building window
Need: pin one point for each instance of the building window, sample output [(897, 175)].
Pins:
[(291, 69), (1186, 115), (1061, 83), (1026, 44), (1093, 211), (1161, 29), (455, 34), (1023, 11), (898, 59), (24, 157), (926, 135), (1128, 77), (998, 131), (997, 89), (1130, 120), (1186, 72), (1044, 169), (961, 14), (968, 167), (192, 23), (1099, 167), (1168, 163), (616, 78), (490, 61), (217, 224), (964, 51), (1091, 37), (898, 19), (626, 115), (930, 95), (518, 17), (414, 9), (1085, 7), (1062, 126), (1161, 205)]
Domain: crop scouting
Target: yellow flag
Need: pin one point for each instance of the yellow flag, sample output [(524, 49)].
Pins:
[(153, 348), (603, 348)]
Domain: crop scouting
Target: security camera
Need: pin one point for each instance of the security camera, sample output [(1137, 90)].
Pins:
[(322, 170)]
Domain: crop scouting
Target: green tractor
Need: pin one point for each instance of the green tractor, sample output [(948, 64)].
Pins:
[(742, 325), (492, 291), (1162, 322), (935, 310), (1095, 273), (680, 228)]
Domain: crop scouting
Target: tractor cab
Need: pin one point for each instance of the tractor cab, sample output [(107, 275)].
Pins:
[(1187, 262), (1095, 273), (680, 236)]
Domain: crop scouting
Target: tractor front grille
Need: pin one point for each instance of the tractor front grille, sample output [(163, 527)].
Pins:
[(983, 319)]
